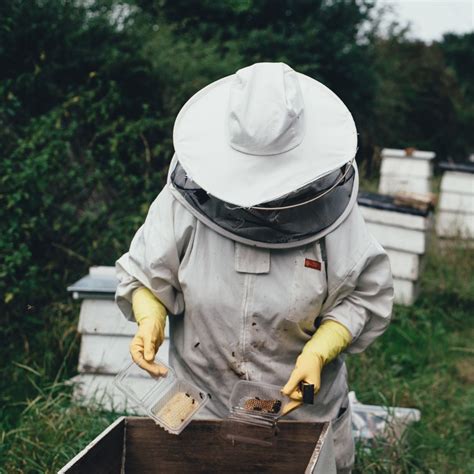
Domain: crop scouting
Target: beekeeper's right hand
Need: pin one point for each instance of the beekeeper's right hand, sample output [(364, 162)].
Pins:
[(150, 315)]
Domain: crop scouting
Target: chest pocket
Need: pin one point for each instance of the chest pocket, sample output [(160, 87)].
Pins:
[(251, 259), (309, 283)]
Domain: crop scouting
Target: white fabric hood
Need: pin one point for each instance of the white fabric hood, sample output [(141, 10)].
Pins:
[(261, 133)]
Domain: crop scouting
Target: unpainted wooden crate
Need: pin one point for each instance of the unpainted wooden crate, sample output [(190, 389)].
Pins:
[(406, 171), (135, 445), (455, 214), (403, 232)]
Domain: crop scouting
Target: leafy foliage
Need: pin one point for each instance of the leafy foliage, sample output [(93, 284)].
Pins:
[(325, 40)]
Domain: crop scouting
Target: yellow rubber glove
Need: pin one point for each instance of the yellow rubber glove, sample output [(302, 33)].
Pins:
[(326, 344), (150, 315)]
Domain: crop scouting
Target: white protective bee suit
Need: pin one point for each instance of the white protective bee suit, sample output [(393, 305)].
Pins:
[(242, 307)]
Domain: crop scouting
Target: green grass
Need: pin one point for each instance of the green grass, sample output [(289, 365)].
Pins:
[(51, 430), (40, 427), (424, 360)]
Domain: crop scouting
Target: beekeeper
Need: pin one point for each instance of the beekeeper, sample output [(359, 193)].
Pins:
[(257, 250)]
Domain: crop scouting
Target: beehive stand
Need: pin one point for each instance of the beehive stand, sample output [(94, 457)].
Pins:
[(403, 233)]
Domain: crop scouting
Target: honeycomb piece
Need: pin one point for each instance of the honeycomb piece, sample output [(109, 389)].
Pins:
[(177, 410), (266, 406)]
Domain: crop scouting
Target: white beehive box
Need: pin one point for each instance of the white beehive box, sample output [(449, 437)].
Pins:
[(455, 214), (403, 232), (406, 171), (105, 339)]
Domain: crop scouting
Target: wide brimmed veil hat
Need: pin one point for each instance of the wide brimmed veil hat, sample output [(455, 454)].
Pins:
[(262, 133)]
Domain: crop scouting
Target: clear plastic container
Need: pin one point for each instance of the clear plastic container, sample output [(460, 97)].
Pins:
[(171, 402), (254, 411)]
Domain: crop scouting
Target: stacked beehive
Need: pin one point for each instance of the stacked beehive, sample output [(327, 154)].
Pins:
[(403, 232), (406, 170), (455, 216), (105, 337)]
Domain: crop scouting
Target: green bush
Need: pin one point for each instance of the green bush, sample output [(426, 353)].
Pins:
[(82, 160)]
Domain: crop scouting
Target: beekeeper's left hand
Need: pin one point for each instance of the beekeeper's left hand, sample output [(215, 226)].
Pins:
[(326, 344), (307, 369)]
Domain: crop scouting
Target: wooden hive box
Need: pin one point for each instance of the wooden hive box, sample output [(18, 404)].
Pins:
[(403, 233), (455, 213), (137, 446), (406, 171), (105, 338)]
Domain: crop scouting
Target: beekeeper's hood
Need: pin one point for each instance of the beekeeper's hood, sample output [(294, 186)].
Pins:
[(266, 157)]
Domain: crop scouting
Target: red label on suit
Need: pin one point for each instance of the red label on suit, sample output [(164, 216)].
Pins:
[(314, 264)]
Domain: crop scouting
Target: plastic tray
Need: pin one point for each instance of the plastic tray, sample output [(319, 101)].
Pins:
[(246, 393), (250, 425), (153, 397)]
